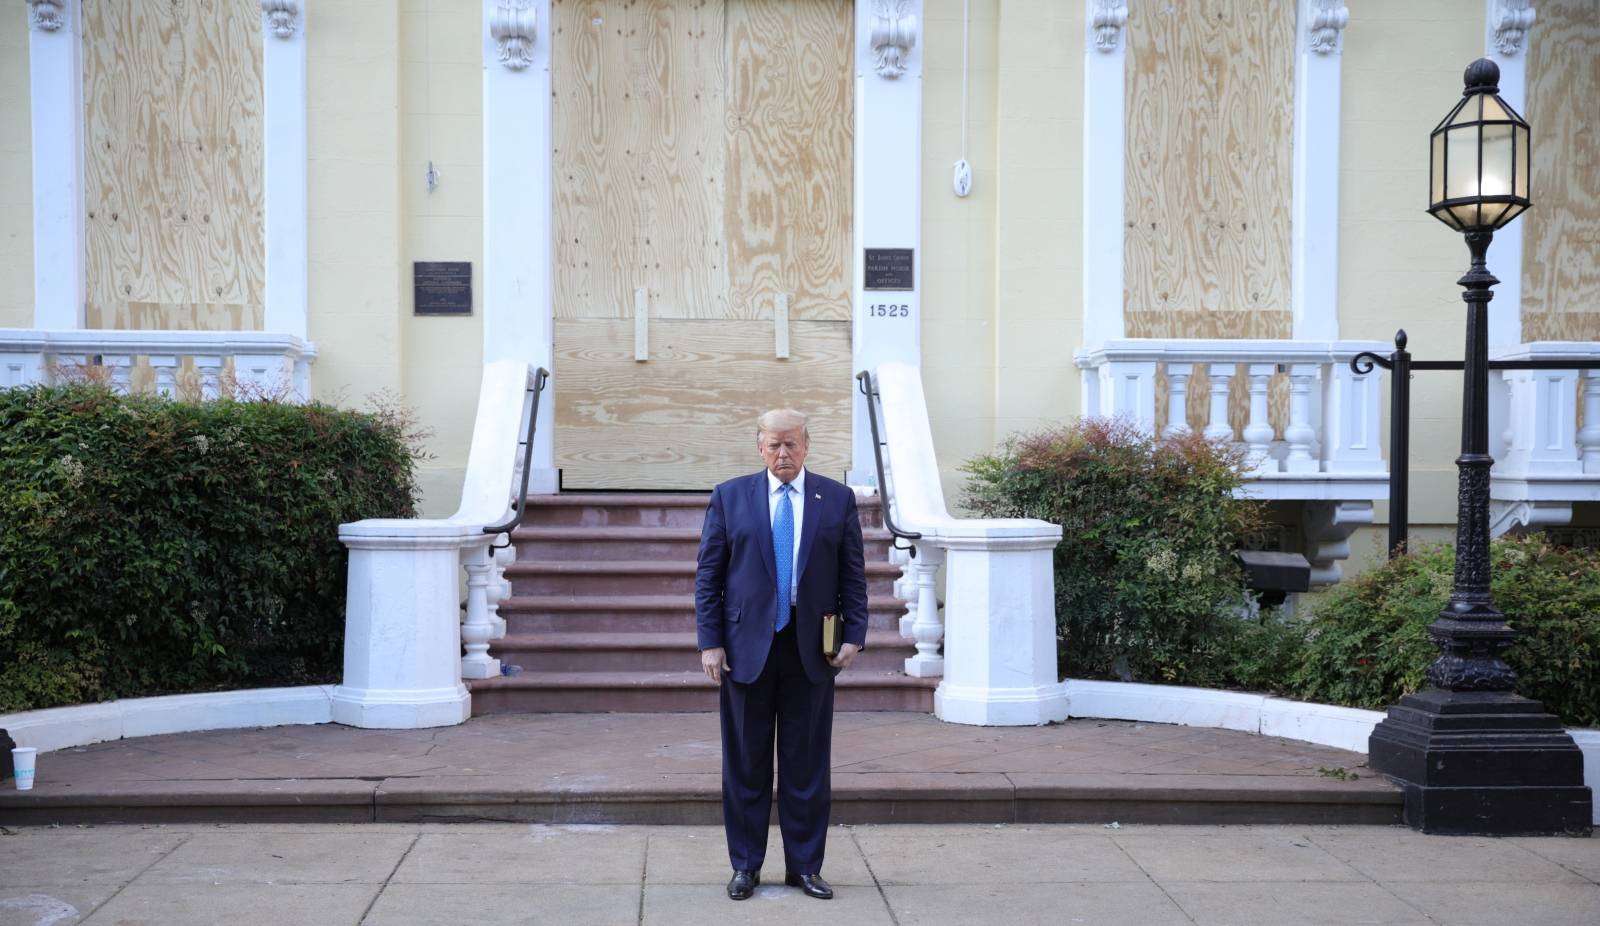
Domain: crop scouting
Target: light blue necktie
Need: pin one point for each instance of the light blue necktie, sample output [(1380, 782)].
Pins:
[(783, 553)]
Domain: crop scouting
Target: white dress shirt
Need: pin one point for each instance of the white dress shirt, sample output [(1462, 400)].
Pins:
[(798, 502)]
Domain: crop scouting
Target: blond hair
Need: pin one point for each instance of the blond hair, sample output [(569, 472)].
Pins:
[(781, 419)]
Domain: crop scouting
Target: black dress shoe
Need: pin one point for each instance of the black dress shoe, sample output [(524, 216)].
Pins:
[(812, 885), (743, 884)]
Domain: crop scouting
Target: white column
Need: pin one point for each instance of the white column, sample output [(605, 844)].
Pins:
[(1352, 420), (1507, 25), (518, 203), (1300, 435), (283, 73), (1314, 223), (1104, 137), (927, 628), (55, 74), (1220, 376), (888, 198)]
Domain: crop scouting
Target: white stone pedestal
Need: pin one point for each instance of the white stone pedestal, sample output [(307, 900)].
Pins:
[(402, 648), (1000, 634)]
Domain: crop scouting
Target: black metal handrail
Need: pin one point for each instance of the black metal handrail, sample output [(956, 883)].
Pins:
[(520, 504), (871, 392), (1400, 364)]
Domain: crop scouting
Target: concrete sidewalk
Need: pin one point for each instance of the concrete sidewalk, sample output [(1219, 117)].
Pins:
[(488, 874), (888, 767)]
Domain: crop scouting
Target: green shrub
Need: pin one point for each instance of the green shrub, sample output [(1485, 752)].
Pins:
[(1146, 583), (1367, 642), (150, 546)]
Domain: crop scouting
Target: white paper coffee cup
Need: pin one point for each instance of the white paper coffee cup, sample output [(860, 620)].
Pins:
[(23, 757)]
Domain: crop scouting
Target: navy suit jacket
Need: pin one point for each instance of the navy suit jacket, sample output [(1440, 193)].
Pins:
[(735, 588)]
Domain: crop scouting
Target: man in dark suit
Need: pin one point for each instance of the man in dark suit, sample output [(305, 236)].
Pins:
[(779, 549)]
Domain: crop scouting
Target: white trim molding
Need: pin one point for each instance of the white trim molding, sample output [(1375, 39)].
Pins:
[(1107, 19), (47, 15), (284, 155), (1510, 21), (55, 74), (1505, 40), (1104, 163), (888, 205), (1325, 25), (514, 27), (518, 219), (281, 17), (1314, 225), (894, 34)]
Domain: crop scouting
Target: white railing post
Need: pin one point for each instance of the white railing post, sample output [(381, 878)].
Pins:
[(1300, 435), (208, 367), (1543, 423), (1258, 431), (1128, 390), (1353, 420), (1178, 399), (476, 629), (499, 586), (121, 367), (165, 368), (1220, 376), (927, 628), (1589, 437)]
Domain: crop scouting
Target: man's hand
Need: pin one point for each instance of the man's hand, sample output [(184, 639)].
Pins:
[(714, 662), (847, 652)]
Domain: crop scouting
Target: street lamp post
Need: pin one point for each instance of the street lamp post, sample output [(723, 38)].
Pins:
[(1470, 754)]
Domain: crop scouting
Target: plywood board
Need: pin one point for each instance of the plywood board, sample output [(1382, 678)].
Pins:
[(172, 164), (1561, 233), (639, 158), (1209, 185), (690, 423), (789, 160)]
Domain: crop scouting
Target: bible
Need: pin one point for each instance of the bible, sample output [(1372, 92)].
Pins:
[(832, 635)]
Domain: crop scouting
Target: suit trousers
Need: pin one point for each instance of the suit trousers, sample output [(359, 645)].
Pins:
[(782, 701)]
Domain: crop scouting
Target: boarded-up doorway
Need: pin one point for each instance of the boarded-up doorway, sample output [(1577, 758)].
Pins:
[(703, 178)]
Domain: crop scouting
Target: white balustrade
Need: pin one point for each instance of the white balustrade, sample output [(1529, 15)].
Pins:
[(1548, 459), (1330, 448), (265, 364)]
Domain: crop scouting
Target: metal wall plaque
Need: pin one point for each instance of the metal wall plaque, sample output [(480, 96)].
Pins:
[(888, 268), (442, 287)]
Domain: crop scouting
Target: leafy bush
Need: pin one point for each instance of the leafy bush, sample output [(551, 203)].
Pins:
[(1367, 642), (1146, 584), (150, 546)]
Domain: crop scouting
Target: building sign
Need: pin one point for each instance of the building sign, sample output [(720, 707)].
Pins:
[(442, 287), (888, 268)]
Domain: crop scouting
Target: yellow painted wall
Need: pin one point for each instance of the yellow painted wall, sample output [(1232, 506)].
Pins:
[(441, 119), (1398, 265), (16, 174), (958, 262), (354, 238)]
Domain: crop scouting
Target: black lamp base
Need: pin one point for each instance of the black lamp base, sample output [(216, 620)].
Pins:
[(1485, 763)]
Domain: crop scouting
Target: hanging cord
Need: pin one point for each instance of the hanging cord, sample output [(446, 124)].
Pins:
[(961, 178)]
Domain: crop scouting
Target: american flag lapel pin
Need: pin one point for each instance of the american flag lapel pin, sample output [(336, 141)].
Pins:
[(818, 496)]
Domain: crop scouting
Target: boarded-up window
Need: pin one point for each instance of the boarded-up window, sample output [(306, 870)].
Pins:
[(172, 164), (1561, 233), (1210, 126)]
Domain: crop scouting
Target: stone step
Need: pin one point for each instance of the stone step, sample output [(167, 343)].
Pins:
[(645, 651), (675, 692), (643, 509), (639, 613), (551, 544), (638, 577)]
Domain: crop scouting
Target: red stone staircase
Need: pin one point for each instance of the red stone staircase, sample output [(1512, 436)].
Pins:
[(601, 616)]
